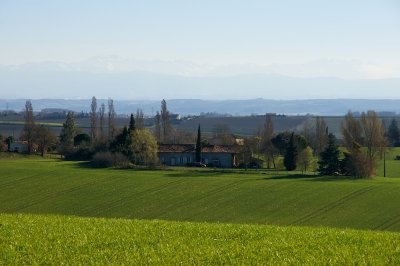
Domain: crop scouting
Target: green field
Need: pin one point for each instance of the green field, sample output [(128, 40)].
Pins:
[(28, 239), (50, 186)]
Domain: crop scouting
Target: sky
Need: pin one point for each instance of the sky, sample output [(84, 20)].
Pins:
[(341, 38)]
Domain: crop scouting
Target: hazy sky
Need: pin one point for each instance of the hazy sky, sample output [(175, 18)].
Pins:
[(206, 31), (204, 48)]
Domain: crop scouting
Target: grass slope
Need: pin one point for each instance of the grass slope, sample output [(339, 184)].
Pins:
[(48, 186), (29, 239)]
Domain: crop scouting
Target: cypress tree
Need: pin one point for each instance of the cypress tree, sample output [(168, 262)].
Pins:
[(290, 159), (198, 145)]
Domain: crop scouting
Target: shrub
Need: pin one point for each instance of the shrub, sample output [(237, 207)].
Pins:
[(108, 159), (358, 165), (80, 154)]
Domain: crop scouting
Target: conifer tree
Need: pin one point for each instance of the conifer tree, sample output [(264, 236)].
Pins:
[(68, 132), (290, 159), (329, 163), (132, 123)]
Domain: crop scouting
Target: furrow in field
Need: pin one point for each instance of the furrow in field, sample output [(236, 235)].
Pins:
[(388, 223), (19, 180), (204, 196), (332, 205), (55, 194), (112, 204)]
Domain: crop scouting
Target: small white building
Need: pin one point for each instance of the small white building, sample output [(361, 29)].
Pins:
[(20, 147)]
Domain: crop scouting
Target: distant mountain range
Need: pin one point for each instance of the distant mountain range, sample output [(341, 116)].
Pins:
[(234, 107), (63, 81)]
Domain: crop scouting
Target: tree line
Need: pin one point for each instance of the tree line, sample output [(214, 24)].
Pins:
[(365, 140), (104, 142)]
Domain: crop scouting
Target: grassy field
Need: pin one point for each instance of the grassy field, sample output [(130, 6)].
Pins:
[(49, 186), (29, 239)]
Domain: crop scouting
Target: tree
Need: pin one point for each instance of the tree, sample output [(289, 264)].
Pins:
[(122, 142), (374, 134), (82, 139), (266, 146), (157, 130), (111, 119), (139, 119), (198, 145), (308, 131), (305, 159), (29, 126), (290, 159), (165, 121), (222, 135), (329, 163), (144, 147), (68, 133), (357, 164), (132, 123), (393, 133), (321, 134), (102, 111), (281, 142), (44, 138), (2, 143), (93, 119), (351, 131), (9, 141)]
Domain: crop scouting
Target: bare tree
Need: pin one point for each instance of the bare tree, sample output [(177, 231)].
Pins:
[(221, 134), (44, 138), (139, 119), (93, 119), (374, 134), (102, 111), (29, 126), (321, 135), (165, 121), (111, 119), (308, 131), (266, 146), (352, 132), (157, 121)]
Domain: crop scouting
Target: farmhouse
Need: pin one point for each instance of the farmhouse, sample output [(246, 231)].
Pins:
[(20, 146), (183, 154)]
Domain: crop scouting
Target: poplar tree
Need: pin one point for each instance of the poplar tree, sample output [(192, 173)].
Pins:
[(267, 148), (93, 119), (198, 145), (68, 133), (102, 111), (157, 121), (111, 119), (29, 126), (321, 135), (165, 121)]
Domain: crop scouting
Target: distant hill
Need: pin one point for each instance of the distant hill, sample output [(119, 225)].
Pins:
[(333, 107)]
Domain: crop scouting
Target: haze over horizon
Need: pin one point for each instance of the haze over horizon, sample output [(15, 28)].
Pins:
[(206, 50)]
